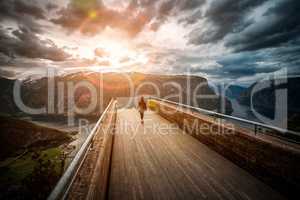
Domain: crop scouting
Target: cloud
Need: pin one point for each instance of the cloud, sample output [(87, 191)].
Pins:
[(4, 59), (262, 36), (223, 39), (23, 8), (125, 60), (279, 25), (22, 42), (246, 64), (228, 67), (221, 18), (171, 8), (25, 13), (100, 52), (93, 16), (229, 21), (82, 62), (191, 19), (51, 6)]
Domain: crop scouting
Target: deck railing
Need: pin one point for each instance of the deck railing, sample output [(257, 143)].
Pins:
[(64, 184), (256, 125)]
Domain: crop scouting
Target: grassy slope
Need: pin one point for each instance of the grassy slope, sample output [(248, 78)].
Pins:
[(22, 141), (16, 171)]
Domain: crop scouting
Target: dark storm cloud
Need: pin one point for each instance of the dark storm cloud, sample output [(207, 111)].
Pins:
[(24, 13), (23, 8), (133, 19), (227, 20), (222, 17), (260, 45), (24, 43), (246, 64), (252, 63), (280, 24), (50, 6), (161, 9), (165, 8), (4, 59), (192, 18), (170, 8), (92, 16)]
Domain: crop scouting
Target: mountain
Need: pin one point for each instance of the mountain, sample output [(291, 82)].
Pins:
[(108, 86), (234, 91), (6, 97), (264, 100)]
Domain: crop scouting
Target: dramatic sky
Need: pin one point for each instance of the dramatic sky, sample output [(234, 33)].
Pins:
[(222, 40)]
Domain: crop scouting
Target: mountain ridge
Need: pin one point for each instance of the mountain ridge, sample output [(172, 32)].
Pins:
[(113, 85)]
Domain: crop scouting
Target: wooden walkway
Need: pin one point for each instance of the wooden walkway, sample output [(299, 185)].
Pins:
[(159, 161)]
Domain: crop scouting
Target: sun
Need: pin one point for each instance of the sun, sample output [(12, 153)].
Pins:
[(93, 14), (114, 53), (116, 50), (119, 53)]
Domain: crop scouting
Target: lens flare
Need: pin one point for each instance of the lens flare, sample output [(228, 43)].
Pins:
[(93, 14)]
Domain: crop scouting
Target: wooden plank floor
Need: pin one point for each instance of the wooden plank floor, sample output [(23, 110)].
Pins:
[(159, 161)]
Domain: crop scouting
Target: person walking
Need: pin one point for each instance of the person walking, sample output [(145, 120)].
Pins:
[(142, 108)]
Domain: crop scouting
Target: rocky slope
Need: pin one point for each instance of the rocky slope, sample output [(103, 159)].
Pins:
[(264, 100), (234, 91), (18, 135), (7, 104)]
